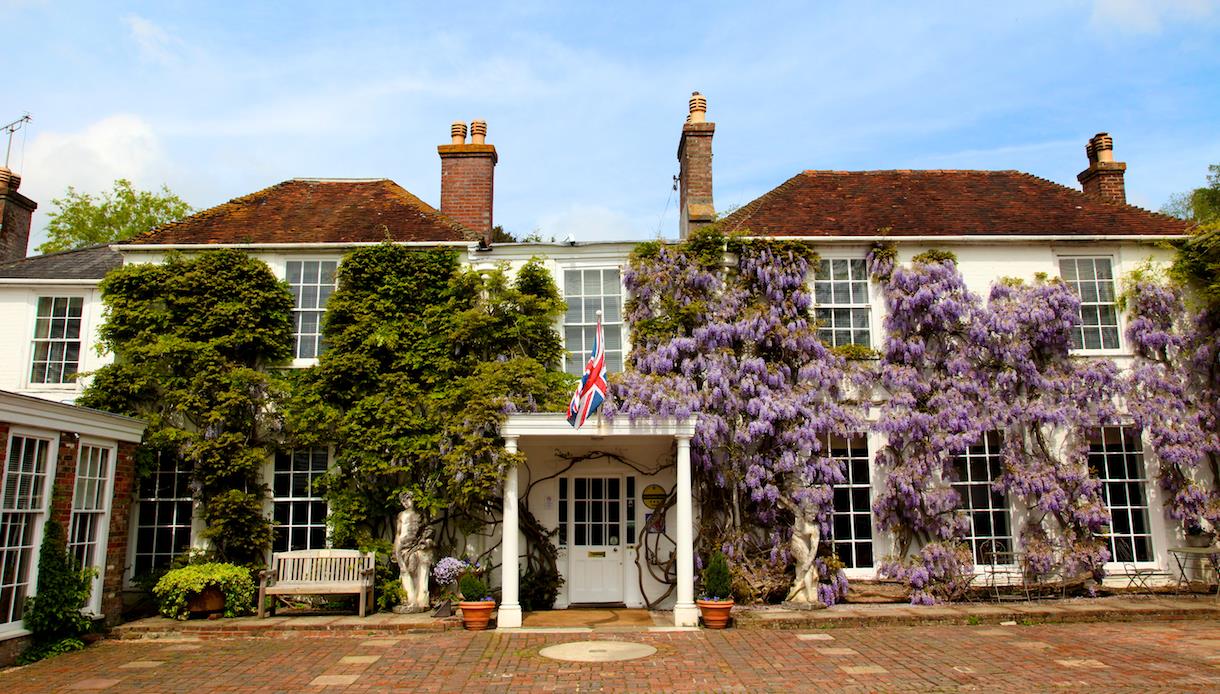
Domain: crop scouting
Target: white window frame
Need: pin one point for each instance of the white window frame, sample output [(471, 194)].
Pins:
[(991, 456), (29, 347), (582, 351), (101, 533), (40, 516), (1150, 529), (851, 484), (867, 304), (1118, 315), (133, 544), (300, 362), (274, 499)]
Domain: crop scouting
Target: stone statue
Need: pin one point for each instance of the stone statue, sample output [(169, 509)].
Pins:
[(806, 533), (413, 549)]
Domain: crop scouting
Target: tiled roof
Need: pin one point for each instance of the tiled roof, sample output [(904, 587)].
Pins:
[(938, 203), (309, 210), (84, 264)]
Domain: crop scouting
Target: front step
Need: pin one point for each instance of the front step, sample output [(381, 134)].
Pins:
[(380, 624)]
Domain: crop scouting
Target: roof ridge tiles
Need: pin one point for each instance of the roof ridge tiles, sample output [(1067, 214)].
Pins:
[(299, 210)]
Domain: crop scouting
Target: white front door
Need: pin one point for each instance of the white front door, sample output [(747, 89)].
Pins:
[(595, 555)]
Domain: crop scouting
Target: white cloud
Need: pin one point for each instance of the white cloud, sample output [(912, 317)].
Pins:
[(1147, 16), (119, 146), (155, 44), (588, 223)]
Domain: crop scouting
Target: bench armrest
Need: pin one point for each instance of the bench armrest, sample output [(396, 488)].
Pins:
[(268, 576)]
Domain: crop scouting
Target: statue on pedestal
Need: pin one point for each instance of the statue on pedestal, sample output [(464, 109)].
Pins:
[(806, 534), (413, 548)]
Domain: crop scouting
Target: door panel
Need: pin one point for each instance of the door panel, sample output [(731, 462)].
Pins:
[(596, 554)]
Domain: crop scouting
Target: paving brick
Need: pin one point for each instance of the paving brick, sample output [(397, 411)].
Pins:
[(1141, 656)]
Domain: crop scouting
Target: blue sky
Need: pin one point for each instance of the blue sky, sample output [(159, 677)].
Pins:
[(585, 101)]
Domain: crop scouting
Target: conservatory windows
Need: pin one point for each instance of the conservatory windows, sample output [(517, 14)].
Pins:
[(23, 508), (56, 348), (298, 507), (312, 282), (1116, 453), (976, 470), (90, 499), (1093, 280), (852, 525), (840, 289), (587, 292), (163, 518)]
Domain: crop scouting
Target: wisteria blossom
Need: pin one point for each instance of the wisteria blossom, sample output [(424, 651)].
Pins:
[(730, 336), (1174, 396)]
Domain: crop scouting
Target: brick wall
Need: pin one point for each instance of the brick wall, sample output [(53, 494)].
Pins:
[(695, 176), (65, 479), (468, 174), (15, 213), (120, 524)]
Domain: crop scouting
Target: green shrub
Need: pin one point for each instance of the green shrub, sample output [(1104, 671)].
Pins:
[(177, 587), (53, 614), (473, 588), (717, 583), (540, 588)]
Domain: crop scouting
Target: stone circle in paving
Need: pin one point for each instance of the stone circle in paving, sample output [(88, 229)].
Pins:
[(597, 651)]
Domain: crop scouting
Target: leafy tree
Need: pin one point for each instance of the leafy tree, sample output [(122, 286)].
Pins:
[(1201, 205), (425, 359), (193, 339), (81, 219)]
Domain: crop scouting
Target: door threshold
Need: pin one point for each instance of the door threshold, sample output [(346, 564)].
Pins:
[(596, 606)]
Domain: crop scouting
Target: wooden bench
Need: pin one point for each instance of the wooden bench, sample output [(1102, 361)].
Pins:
[(318, 572)]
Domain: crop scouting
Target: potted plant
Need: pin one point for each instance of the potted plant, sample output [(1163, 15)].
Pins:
[(205, 588), (717, 600), (476, 603)]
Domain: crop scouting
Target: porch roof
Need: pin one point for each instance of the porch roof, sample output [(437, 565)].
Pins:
[(555, 424)]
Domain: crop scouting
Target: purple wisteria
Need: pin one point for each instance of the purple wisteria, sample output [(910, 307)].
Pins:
[(722, 328), (929, 370), (1174, 396)]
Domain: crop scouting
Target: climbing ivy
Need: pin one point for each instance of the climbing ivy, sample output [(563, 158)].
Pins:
[(193, 339), (425, 358)]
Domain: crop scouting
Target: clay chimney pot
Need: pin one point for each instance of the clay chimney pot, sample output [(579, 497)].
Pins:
[(457, 132), (698, 108), (478, 132)]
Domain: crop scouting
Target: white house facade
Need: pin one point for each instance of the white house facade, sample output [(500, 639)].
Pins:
[(997, 223)]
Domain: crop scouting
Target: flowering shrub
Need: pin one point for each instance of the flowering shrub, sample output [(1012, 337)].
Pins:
[(448, 570)]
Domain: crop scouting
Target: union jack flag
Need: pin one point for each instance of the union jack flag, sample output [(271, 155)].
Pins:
[(591, 392)]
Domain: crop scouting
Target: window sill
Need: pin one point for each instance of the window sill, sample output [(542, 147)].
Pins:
[(16, 633)]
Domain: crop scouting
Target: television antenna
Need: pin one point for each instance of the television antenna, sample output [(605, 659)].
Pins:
[(10, 129)]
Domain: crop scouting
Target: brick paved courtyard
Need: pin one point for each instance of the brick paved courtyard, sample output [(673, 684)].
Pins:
[(1161, 656)]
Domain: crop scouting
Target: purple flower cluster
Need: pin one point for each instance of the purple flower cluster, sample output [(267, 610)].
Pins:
[(448, 570), (1173, 394), (736, 344)]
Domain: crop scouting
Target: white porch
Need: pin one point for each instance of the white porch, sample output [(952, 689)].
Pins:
[(539, 436)]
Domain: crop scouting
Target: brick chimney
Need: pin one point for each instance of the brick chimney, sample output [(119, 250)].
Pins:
[(468, 172), (1103, 179), (695, 169), (15, 213)]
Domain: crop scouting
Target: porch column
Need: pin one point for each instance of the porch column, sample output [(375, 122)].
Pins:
[(509, 614), (686, 614)]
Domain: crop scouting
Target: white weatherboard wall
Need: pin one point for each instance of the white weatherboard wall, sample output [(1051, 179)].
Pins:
[(18, 309)]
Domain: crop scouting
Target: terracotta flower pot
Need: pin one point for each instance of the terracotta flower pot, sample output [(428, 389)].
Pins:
[(715, 612), (475, 615), (210, 599)]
